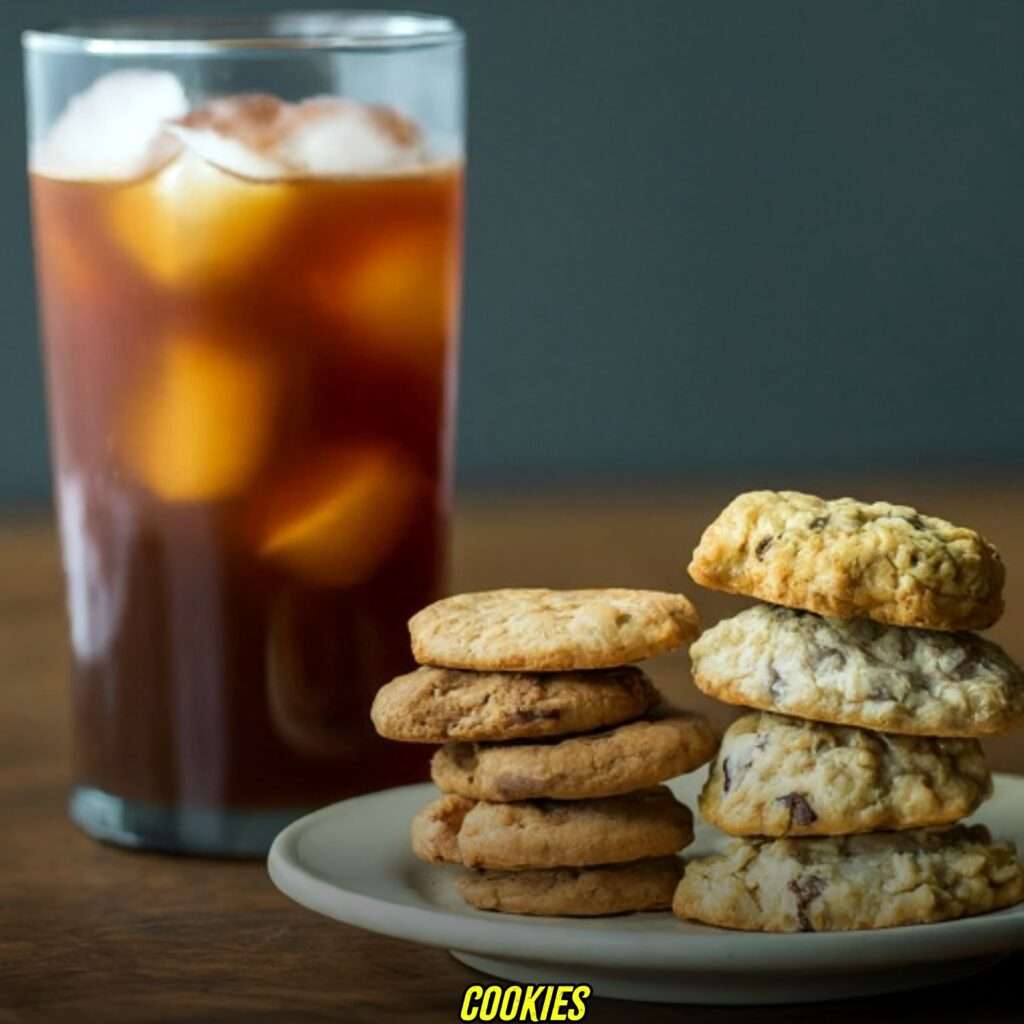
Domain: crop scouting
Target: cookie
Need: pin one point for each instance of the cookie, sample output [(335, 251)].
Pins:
[(552, 834), (575, 892), (853, 882), (850, 559), (777, 776), (435, 829), (551, 630), (435, 705), (618, 760), (913, 681)]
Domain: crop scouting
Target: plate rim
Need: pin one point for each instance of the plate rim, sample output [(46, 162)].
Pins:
[(724, 950)]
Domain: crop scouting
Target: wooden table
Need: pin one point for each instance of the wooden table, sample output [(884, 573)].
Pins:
[(93, 934)]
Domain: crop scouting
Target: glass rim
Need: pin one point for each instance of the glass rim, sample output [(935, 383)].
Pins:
[(179, 35)]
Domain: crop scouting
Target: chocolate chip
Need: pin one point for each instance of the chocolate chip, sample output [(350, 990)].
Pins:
[(818, 524), (968, 666), (906, 643), (869, 655), (464, 756), (515, 787), (806, 890), (762, 546), (800, 811), (915, 521), (733, 769), (823, 654), (526, 715)]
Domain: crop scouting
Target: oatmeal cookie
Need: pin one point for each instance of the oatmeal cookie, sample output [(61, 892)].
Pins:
[(855, 882), (778, 776), (847, 559), (920, 682)]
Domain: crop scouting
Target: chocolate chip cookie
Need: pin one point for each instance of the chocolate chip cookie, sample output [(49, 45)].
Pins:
[(849, 559), (553, 834), (575, 892), (551, 630), (849, 883), (618, 760), (920, 682), (778, 776), (435, 829), (434, 705)]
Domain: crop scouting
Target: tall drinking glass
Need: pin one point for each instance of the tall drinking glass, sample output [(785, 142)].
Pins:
[(248, 242)]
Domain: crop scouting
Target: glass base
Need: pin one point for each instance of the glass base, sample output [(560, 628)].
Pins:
[(146, 826)]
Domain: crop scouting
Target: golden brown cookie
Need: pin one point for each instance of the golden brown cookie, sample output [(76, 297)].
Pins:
[(551, 630), (850, 559), (434, 705), (608, 763), (552, 834), (435, 829), (575, 892)]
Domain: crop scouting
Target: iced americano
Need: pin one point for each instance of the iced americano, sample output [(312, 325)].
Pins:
[(249, 310)]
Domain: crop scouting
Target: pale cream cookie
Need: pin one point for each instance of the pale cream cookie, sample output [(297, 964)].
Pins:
[(914, 681), (854, 882), (778, 776)]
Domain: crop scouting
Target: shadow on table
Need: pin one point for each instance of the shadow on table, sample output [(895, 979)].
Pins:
[(990, 997)]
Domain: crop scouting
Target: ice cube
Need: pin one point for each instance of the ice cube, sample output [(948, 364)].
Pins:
[(341, 514), (114, 129), (397, 290), (262, 137), (331, 136), (236, 134), (193, 223), (197, 427)]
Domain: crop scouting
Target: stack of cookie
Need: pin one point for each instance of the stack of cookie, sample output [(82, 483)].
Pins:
[(554, 748), (870, 699)]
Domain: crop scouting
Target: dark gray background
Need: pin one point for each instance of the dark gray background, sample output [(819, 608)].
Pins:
[(705, 238)]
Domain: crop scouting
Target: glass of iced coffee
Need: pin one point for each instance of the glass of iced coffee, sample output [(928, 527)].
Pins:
[(247, 239)]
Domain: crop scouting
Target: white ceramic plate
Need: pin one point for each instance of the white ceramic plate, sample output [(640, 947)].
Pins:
[(352, 862)]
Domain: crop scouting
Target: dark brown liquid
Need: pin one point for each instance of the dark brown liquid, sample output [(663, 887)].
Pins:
[(250, 400)]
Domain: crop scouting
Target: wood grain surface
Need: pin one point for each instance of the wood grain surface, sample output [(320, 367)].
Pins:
[(91, 933)]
